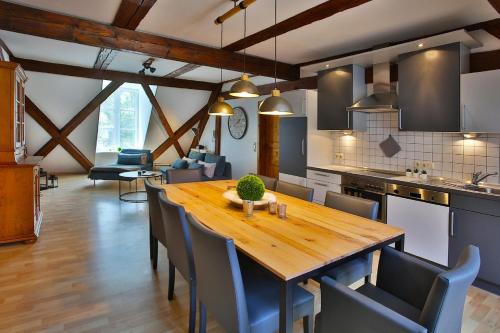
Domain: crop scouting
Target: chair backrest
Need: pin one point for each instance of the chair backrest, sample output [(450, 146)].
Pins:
[(293, 190), (228, 171), (353, 205), (179, 247), (175, 176), (155, 218), (219, 281), (444, 306), (269, 182)]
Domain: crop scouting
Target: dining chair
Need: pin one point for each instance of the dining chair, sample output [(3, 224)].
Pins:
[(361, 267), (242, 299), (175, 176), (179, 251), (293, 190), (269, 182), (411, 296), (156, 228)]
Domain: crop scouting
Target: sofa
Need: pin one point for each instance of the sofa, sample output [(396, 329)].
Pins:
[(222, 169), (128, 160)]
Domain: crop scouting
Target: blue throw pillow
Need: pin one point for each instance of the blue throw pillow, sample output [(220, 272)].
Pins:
[(196, 155), (194, 165), (180, 164), (131, 159), (220, 163)]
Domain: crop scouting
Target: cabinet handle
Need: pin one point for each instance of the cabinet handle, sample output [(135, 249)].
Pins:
[(302, 147), (452, 224), (400, 122), (324, 185), (464, 111), (320, 174), (349, 120)]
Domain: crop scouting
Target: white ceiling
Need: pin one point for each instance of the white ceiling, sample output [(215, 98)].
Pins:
[(132, 62)]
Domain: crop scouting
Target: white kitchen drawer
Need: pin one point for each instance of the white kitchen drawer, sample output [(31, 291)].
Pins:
[(320, 189), (292, 179), (324, 176)]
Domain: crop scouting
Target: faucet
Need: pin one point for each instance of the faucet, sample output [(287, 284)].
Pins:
[(479, 176)]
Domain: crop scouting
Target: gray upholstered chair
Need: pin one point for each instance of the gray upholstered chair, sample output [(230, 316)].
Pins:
[(361, 267), (293, 190), (175, 176), (156, 228), (411, 296), (179, 250), (241, 300), (269, 182)]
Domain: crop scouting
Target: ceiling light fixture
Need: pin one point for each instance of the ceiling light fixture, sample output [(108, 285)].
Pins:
[(244, 87), (421, 45), (221, 108), (275, 105)]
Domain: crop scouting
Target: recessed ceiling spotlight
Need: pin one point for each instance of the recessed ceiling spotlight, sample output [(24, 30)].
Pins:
[(421, 45), (327, 65)]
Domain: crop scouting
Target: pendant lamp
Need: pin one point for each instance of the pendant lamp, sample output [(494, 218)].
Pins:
[(275, 104), (244, 87), (221, 108)]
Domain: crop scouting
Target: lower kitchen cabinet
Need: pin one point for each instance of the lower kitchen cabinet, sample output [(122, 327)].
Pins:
[(323, 182)]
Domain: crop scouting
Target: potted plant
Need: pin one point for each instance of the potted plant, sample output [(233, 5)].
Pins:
[(250, 188), (423, 175), (409, 173)]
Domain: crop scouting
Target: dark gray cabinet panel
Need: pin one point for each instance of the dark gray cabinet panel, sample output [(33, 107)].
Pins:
[(335, 93), (293, 146), (429, 89)]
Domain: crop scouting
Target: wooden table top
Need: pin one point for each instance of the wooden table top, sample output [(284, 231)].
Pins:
[(310, 237)]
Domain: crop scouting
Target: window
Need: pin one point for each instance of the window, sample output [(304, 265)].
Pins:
[(123, 118)]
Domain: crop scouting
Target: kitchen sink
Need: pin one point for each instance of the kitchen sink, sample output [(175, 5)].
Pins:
[(482, 189)]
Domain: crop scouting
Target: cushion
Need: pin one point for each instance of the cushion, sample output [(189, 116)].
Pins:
[(189, 160), (131, 159), (195, 165), (196, 155), (180, 164), (209, 168), (219, 160)]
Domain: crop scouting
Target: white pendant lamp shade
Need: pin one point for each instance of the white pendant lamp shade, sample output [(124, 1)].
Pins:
[(220, 108), (275, 105), (244, 88)]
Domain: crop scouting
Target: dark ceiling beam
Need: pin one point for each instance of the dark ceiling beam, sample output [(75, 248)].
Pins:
[(319, 12), (485, 61), (129, 15), (491, 26), (92, 73), (182, 70), (310, 82), (495, 4), (31, 21)]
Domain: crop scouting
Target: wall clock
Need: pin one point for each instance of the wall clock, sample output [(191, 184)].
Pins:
[(238, 123)]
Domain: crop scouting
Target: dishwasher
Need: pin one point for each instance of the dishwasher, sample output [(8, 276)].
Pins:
[(424, 215)]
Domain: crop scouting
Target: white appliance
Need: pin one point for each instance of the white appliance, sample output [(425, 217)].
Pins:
[(424, 216)]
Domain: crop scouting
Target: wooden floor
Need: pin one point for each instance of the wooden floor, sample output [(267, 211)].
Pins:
[(90, 272)]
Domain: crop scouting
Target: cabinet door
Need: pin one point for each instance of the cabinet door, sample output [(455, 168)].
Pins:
[(335, 93), (481, 230), (429, 89), (293, 146)]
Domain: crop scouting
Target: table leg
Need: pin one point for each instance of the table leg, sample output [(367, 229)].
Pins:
[(119, 189), (286, 307), (400, 244)]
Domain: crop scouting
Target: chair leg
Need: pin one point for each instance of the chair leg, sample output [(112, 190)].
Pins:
[(368, 278), (307, 321), (155, 253), (192, 306), (171, 280), (151, 238), (203, 318)]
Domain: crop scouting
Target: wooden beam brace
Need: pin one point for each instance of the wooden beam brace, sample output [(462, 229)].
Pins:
[(76, 154), (182, 70), (31, 21), (161, 116), (6, 48), (218, 134), (91, 73), (304, 83), (495, 4), (319, 12), (205, 116)]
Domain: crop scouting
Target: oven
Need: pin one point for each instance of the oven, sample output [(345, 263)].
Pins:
[(366, 188)]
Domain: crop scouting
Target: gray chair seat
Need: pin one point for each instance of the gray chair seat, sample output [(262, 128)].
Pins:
[(352, 270), (390, 301)]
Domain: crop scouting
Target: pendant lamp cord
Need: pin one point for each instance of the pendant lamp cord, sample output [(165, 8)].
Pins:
[(221, 34), (275, 38), (244, 36)]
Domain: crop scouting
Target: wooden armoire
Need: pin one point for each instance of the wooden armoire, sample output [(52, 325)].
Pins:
[(20, 213)]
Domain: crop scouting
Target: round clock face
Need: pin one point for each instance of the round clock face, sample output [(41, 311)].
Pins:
[(238, 123)]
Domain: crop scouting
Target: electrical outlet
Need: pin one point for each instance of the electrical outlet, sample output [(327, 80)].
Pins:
[(339, 156), (427, 165), (418, 165)]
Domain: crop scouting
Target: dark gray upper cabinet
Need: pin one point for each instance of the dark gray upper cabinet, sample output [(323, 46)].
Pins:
[(339, 88), (429, 88)]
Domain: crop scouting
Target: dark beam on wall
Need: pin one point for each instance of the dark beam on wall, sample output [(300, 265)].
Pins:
[(31, 21), (485, 61)]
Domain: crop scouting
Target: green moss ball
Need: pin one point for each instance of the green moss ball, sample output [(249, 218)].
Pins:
[(250, 187)]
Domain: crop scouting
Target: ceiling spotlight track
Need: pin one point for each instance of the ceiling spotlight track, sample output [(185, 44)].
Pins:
[(233, 11), (147, 66)]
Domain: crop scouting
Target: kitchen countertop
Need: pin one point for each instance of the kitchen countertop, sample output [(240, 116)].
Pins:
[(433, 183)]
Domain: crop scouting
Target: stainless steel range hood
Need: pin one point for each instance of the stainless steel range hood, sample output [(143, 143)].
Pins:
[(384, 97)]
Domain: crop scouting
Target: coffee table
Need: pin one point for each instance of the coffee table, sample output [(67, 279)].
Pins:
[(135, 196)]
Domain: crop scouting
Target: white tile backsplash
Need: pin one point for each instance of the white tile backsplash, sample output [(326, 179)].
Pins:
[(452, 155)]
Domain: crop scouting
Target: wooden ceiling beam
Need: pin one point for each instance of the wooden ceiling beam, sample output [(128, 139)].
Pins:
[(98, 74), (37, 22), (495, 4), (317, 13), (129, 15), (182, 70)]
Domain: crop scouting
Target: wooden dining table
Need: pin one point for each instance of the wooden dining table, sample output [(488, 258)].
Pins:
[(312, 239)]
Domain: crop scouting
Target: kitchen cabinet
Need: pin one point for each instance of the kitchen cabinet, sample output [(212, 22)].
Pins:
[(477, 222), (293, 147), (323, 182), (429, 88), (480, 102), (339, 88)]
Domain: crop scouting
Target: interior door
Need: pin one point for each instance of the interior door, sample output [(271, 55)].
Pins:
[(293, 146)]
